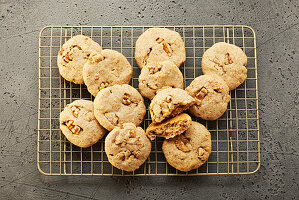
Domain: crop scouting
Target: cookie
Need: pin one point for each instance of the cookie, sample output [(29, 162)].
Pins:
[(169, 102), (127, 148), (159, 44), (106, 69), (119, 104), (189, 150), (79, 125), (73, 55), (227, 61), (155, 77), (170, 127), (211, 96)]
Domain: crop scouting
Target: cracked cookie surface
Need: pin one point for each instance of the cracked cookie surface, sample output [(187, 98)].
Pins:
[(169, 102), (73, 55), (159, 44), (119, 104), (170, 127), (227, 61), (79, 125), (127, 148), (189, 150), (106, 69), (211, 96), (155, 77)]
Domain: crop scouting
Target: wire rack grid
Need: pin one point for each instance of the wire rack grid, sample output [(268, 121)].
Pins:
[(235, 136)]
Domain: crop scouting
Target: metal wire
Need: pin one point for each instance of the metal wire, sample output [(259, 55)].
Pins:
[(235, 136)]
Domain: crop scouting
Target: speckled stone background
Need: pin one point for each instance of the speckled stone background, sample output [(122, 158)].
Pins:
[(276, 26)]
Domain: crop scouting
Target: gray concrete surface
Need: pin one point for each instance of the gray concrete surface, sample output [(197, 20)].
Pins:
[(276, 26)]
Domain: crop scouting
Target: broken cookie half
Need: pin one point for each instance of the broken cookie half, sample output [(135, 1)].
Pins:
[(170, 127), (168, 103)]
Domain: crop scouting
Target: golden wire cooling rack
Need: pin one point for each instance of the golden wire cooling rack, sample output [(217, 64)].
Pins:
[(235, 136)]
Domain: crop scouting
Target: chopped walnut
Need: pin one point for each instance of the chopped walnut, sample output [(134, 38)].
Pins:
[(75, 129), (197, 101), (131, 157), (216, 61), (112, 117), (75, 110), (200, 95), (149, 85), (86, 55), (117, 141), (68, 57), (132, 133), (115, 72), (168, 99), (139, 145), (181, 143), (69, 124), (159, 40), (103, 85), (165, 111), (95, 58), (184, 103), (202, 153), (121, 156), (73, 46), (127, 153), (147, 56), (166, 108), (217, 89), (154, 69), (115, 120), (126, 101), (228, 59), (167, 48), (61, 51)]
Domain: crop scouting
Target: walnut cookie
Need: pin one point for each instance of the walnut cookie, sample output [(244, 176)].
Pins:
[(159, 44), (169, 102), (169, 128), (227, 61), (79, 125), (106, 69), (73, 55), (189, 150), (211, 96), (155, 77), (119, 104), (127, 148)]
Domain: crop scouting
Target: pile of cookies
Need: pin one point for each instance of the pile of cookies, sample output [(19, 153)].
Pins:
[(120, 109)]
